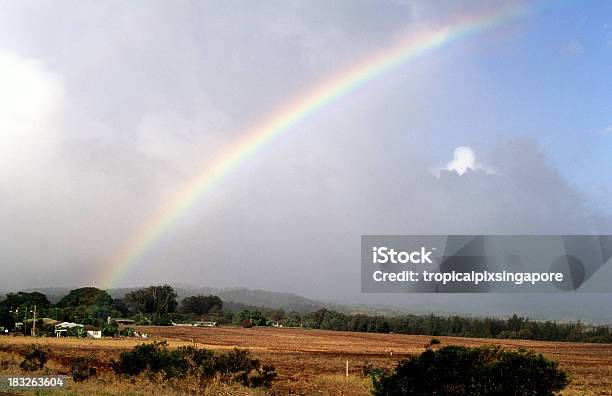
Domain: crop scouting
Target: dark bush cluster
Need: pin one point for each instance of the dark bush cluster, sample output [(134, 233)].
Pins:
[(239, 366), (372, 371), (457, 370), (127, 332), (236, 365), (34, 359), (432, 342), (110, 329), (82, 368)]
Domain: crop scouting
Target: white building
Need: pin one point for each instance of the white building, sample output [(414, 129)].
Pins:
[(94, 333)]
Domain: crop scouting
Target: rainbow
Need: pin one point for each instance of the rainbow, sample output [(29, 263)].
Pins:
[(281, 122)]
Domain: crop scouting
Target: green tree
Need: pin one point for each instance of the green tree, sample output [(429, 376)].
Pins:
[(201, 305), (158, 300), (256, 318), (85, 296), (25, 299), (110, 329), (87, 305), (333, 320), (314, 319), (6, 319)]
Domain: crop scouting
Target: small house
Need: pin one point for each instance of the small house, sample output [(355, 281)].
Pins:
[(61, 330), (94, 334)]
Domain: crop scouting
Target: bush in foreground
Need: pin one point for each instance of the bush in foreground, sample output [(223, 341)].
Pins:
[(234, 366), (82, 368), (457, 370), (34, 359), (372, 371)]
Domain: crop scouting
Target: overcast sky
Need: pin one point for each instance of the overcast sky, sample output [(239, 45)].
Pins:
[(108, 108)]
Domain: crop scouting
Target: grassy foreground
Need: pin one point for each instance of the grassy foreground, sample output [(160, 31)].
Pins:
[(307, 361)]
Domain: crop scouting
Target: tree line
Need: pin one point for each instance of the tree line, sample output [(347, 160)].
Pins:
[(515, 327), (153, 305), (158, 305)]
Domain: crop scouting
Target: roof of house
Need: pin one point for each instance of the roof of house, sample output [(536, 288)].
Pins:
[(67, 325), (123, 320)]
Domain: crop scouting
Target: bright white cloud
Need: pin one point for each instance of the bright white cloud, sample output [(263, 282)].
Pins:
[(29, 97), (28, 91), (464, 159)]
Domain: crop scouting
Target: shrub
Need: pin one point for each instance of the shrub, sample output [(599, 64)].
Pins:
[(458, 370), (203, 361), (128, 332), (432, 342), (236, 365), (374, 372), (34, 359), (239, 366), (82, 368), (81, 332), (263, 377), (235, 361), (110, 329), (149, 357)]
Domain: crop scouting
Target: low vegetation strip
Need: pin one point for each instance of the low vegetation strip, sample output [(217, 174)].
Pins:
[(306, 361), (91, 309), (237, 365)]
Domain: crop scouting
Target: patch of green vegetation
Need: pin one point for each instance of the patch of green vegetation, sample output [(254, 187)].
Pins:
[(34, 359), (234, 366), (462, 371)]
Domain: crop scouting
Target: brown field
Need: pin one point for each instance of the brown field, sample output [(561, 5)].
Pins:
[(312, 361)]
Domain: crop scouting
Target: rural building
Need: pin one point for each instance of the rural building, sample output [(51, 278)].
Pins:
[(94, 334), (61, 330), (205, 323), (50, 322), (122, 321)]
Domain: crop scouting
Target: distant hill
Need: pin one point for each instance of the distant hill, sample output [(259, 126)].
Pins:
[(247, 297)]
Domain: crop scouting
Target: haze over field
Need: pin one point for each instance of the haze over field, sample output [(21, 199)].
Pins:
[(107, 109)]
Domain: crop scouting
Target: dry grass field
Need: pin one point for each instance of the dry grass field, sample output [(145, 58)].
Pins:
[(307, 361)]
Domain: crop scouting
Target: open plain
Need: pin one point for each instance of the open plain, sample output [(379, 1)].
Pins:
[(313, 361)]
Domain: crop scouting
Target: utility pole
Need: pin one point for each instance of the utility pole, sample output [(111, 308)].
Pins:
[(34, 323), (25, 322)]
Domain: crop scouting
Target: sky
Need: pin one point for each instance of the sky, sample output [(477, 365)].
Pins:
[(108, 108)]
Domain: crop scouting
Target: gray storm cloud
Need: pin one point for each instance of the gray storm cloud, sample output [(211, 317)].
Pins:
[(107, 109)]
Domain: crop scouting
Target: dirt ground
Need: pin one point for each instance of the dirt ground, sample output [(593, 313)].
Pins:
[(314, 361)]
